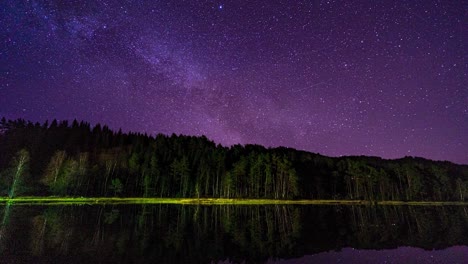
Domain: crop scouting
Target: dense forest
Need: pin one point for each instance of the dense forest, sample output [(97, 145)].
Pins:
[(77, 159)]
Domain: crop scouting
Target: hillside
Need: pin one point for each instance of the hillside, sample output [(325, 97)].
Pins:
[(79, 160)]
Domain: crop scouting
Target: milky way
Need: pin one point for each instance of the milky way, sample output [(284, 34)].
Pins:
[(380, 78)]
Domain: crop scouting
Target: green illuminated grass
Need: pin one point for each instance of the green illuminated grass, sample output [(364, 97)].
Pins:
[(36, 200)]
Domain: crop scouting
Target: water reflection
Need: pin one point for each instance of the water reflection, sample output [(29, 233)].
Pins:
[(403, 255), (204, 234)]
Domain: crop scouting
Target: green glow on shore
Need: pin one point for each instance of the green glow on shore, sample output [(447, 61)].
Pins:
[(37, 200)]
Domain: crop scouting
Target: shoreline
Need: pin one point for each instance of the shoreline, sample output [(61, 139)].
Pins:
[(51, 200)]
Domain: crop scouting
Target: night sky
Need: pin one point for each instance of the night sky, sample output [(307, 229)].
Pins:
[(380, 78)]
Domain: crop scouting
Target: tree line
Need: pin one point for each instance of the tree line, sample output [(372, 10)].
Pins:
[(78, 159)]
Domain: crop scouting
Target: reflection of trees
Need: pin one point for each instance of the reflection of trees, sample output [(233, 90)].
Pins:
[(37, 241), (193, 234), (425, 227)]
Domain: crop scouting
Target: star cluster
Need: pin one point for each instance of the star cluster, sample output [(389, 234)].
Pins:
[(382, 78)]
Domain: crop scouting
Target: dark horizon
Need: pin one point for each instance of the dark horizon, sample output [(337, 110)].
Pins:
[(229, 146), (355, 78)]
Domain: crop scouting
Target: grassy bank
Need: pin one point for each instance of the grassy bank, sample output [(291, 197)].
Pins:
[(36, 200)]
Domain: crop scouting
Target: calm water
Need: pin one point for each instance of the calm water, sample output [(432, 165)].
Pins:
[(231, 234)]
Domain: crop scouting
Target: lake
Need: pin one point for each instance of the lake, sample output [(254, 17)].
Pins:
[(166, 233)]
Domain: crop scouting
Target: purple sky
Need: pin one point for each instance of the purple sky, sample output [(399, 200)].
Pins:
[(381, 78)]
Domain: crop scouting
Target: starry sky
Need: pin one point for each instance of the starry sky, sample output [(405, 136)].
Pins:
[(380, 78)]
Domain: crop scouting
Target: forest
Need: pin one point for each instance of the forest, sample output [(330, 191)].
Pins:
[(65, 158)]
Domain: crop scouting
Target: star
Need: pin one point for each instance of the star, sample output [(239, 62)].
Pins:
[(299, 76)]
